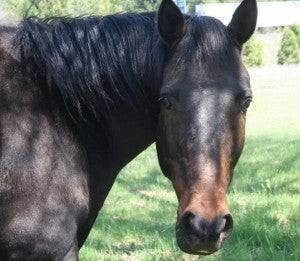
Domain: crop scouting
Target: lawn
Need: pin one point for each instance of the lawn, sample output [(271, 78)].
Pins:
[(137, 221)]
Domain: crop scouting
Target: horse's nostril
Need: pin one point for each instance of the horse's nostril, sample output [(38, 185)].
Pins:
[(228, 225), (219, 228), (196, 234), (195, 224), (189, 219)]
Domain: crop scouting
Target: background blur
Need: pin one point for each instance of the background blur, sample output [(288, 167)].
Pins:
[(137, 221)]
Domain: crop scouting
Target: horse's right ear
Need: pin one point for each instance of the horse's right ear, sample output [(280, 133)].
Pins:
[(243, 21), (171, 25)]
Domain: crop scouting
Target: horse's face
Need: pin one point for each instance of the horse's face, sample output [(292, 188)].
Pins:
[(204, 98)]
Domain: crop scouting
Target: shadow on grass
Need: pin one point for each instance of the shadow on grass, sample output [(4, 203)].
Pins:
[(151, 228), (154, 178), (269, 164)]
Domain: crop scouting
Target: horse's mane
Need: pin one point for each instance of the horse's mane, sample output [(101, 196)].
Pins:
[(95, 61), (211, 42)]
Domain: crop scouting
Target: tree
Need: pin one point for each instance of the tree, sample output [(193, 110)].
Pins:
[(289, 52), (19, 9), (296, 29), (141, 5), (253, 53)]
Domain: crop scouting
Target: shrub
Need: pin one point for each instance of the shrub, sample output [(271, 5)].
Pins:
[(289, 52), (253, 54), (296, 29)]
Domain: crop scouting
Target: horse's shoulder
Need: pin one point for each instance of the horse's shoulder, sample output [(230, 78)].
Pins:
[(9, 46)]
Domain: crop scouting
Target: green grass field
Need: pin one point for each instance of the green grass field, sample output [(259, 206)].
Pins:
[(137, 221)]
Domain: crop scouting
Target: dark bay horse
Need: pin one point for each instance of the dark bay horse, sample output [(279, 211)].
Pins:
[(80, 98)]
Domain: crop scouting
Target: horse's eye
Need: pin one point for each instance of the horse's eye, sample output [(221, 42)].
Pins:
[(165, 101), (246, 104)]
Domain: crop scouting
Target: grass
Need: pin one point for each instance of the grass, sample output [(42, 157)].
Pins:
[(137, 221)]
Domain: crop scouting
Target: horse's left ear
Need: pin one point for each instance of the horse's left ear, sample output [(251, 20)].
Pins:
[(171, 25), (244, 20)]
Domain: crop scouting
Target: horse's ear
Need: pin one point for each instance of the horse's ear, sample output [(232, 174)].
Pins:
[(243, 21), (171, 25)]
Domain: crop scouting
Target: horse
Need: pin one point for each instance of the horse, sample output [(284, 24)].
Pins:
[(81, 97)]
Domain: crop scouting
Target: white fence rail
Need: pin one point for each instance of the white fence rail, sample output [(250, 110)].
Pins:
[(269, 13)]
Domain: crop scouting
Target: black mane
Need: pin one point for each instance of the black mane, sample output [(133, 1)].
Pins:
[(95, 61), (211, 43)]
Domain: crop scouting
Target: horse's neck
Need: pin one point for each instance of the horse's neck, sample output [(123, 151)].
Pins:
[(130, 132)]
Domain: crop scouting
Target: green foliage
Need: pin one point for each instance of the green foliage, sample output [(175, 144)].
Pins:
[(296, 29), (18, 9), (141, 5), (289, 52), (253, 54)]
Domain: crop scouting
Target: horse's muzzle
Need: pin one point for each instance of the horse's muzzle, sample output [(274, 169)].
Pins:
[(195, 235)]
